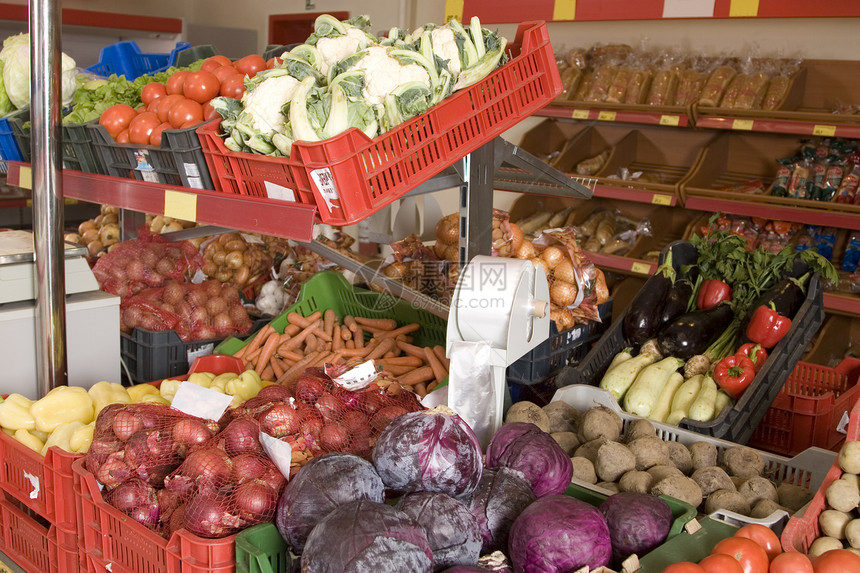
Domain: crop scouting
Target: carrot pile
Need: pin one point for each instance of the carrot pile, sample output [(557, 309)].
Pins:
[(322, 338)]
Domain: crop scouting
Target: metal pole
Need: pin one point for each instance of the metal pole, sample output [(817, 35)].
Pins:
[(46, 162)]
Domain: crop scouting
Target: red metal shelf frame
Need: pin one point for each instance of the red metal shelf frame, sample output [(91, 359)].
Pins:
[(251, 214), (97, 19), (793, 214), (842, 303), (621, 116), (780, 126)]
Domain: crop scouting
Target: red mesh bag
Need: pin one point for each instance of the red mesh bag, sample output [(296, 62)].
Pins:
[(227, 485), (132, 266), (195, 311), (135, 447)]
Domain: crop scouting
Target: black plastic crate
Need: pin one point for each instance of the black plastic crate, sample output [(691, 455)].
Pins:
[(178, 161), (155, 355), (78, 151), (185, 58), (737, 423), (557, 351)]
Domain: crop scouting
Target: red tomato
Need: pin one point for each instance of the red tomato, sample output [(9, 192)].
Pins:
[(189, 123), (233, 87), (122, 136), (214, 62), (176, 82), (684, 567), (274, 61), (116, 118), (720, 563), (209, 112), (250, 65), (165, 103), (836, 561), (155, 136), (152, 91), (764, 536), (791, 562), (201, 86), (140, 128), (748, 553), (185, 111), (225, 72)]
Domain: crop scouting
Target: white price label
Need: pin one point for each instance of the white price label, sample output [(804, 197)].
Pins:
[(279, 452), (325, 185), (359, 377), (202, 402), (279, 192)]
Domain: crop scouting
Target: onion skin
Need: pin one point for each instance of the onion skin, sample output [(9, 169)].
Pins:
[(241, 436), (255, 502), (280, 420), (208, 517)]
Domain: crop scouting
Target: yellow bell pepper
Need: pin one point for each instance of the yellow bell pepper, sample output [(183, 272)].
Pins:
[(15, 413), (29, 440), (219, 384), (245, 386), (201, 378), (62, 436), (168, 389), (9, 432), (154, 399), (104, 393), (82, 438), (60, 405), (138, 391)]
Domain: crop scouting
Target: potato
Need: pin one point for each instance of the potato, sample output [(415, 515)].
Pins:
[(562, 417), (567, 440), (609, 486), (599, 422), (711, 479), (852, 533), (833, 523), (849, 457), (529, 412), (649, 451), (727, 499), (639, 428), (823, 545), (661, 471), (589, 450), (737, 481), (742, 461), (792, 496), (842, 495), (703, 455), (679, 487), (583, 470), (613, 461), (765, 508), (680, 456), (636, 481), (758, 488), (853, 478)]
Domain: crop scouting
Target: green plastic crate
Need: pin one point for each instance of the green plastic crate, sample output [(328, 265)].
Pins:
[(688, 547), (330, 290), (261, 549)]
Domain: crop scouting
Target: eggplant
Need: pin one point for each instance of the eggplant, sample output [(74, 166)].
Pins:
[(693, 332), (677, 301), (642, 320)]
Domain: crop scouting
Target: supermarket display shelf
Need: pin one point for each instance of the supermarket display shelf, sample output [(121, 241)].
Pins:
[(842, 303), (266, 216), (623, 264), (784, 213), (585, 112), (515, 180), (784, 126), (98, 19)]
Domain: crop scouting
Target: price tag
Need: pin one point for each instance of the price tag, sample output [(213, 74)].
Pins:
[(25, 177), (201, 402), (670, 120), (325, 184), (641, 268), (824, 130), (660, 199), (580, 114), (743, 124), (606, 116), (743, 8), (279, 452), (180, 205), (453, 9), (564, 10)]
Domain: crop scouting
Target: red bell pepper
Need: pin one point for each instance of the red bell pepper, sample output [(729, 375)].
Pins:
[(733, 374), (767, 326), (755, 352), (711, 293)]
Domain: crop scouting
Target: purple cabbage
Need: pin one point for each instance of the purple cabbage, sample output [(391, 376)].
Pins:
[(637, 522), (363, 536), (450, 527), (525, 447), (465, 569), (432, 450), (502, 494), (559, 533), (322, 485)]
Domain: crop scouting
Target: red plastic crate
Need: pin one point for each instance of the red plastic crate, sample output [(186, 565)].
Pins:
[(41, 483), (365, 174), (801, 531), (807, 410), (33, 543)]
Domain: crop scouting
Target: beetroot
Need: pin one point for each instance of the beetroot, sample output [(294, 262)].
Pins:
[(433, 450)]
